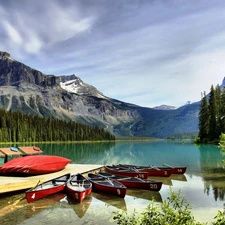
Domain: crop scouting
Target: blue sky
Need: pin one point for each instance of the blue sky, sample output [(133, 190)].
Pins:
[(146, 52)]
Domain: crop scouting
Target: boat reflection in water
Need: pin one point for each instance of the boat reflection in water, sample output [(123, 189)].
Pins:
[(80, 208), (10, 203), (178, 177), (111, 200), (41, 204), (145, 194), (164, 180), (18, 210)]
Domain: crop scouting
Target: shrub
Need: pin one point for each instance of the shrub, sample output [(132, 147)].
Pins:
[(173, 211)]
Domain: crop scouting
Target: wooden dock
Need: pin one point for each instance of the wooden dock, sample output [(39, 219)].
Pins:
[(10, 184)]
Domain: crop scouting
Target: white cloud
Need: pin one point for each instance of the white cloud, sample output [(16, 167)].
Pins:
[(33, 43), (12, 33), (66, 24), (148, 53), (50, 24)]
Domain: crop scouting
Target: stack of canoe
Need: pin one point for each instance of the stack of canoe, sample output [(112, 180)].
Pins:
[(164, 171), (114, 180)]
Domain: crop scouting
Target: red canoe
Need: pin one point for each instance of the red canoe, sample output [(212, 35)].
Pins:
[(47, 188), (34, 165), (156, 169), (175, 170), (134, 182), (152, 171), (126, 171), (107, 185), (78, 187)]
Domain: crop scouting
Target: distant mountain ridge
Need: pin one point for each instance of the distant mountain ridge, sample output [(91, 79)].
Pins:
[(68, 97), (164, 107)]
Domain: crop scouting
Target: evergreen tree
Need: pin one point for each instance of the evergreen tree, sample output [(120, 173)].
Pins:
[(204, 119), (213, 115), (222, 112), (18, 127)]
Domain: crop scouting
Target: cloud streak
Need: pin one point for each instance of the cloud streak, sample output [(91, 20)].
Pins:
[(143, 52)]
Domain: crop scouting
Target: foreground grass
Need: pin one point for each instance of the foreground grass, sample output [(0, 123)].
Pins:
[(173, 211)]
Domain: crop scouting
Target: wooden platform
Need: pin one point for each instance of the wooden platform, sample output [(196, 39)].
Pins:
[(21, 151), (10, 184), (9, 152)]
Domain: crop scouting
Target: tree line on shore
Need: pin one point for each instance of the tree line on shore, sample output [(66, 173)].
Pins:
[(212, 116), (19, 127)]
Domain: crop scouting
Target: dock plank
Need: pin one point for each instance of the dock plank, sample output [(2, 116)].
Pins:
[(10, 184)]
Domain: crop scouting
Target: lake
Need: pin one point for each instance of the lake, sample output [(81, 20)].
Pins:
[(203, 184)]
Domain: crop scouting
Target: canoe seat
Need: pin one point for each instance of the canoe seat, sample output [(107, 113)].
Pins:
[(75, 183), (56, 183), (58, 180)]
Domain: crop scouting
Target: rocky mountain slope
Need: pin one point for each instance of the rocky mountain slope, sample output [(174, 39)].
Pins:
[(68, 97)]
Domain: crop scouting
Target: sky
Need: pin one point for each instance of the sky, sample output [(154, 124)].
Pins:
[(145, 52)]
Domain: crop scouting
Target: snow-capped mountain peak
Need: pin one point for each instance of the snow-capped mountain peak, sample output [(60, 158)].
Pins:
[(74, 84)]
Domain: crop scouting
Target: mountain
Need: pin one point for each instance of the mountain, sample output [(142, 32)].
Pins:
[(164, 107), (68, 97), (223, 83)]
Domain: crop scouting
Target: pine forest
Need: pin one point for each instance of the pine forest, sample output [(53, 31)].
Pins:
[(19, 127), (212, 116)]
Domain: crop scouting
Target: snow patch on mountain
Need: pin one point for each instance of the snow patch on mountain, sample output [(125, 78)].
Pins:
[(71, 86), (164, 107), (77, 86)]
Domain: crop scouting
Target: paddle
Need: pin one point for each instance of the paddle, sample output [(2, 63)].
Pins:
[(125, 168), (106, 175), (110, 181), (165, 164), (126, 178), (36, 184), (155, 167), (114, 177), (135, 169)]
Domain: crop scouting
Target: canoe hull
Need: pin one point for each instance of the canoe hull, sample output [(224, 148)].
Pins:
[(133, 182), (34, 165), (78, 195), (47, 188), (179, 170), (152, 171), (78, 187), (174, 170), (35, 195), (113, 187), (121, 192), (153, 186), (158, 170), (129, 173)]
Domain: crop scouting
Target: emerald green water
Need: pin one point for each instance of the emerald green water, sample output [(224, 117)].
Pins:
[(203, 185)]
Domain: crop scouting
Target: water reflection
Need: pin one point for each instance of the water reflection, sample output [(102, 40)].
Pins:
[(111, 200), (145, 194), (164, 180), (15, 209), (203, 185), (11, 203), (87, 153), (80, 208), (213, 171), (37, 206), (179, 177)]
